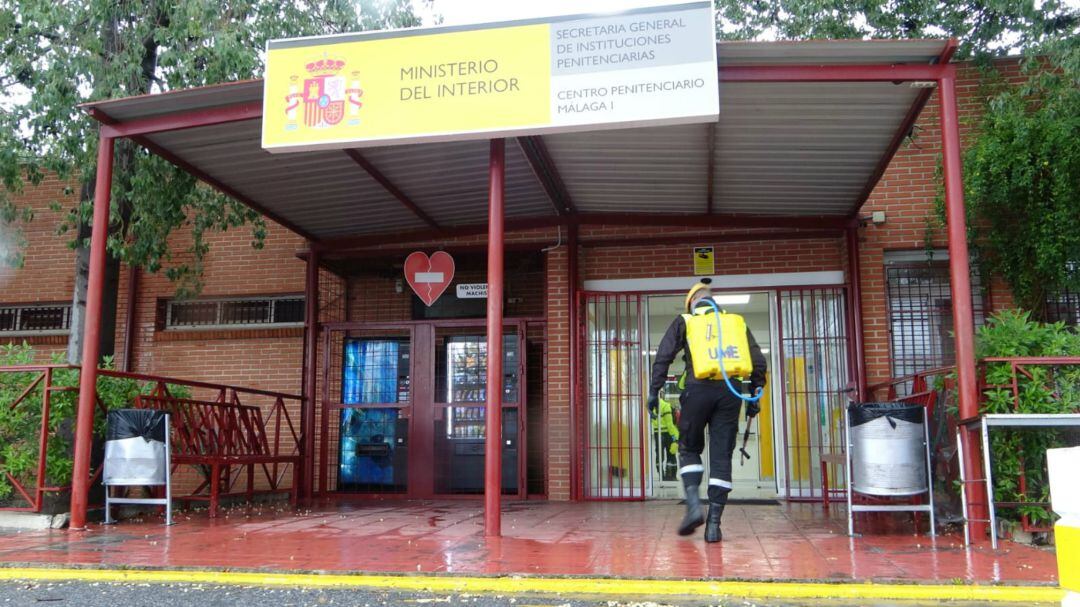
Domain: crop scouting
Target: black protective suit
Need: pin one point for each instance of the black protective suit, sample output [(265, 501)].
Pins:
[(705, 402)]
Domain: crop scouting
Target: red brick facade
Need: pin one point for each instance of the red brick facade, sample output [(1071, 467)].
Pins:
[(271, 358)]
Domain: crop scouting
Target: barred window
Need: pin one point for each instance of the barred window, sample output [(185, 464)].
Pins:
[(1064, 305), (54, 318), (920, 310), (235, 312)]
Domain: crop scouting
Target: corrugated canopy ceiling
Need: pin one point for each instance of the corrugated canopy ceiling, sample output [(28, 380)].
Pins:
[(791, 149)]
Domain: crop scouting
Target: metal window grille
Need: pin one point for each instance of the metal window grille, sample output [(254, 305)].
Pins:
[(814, 371), (615, 442), (286, 310), (41, 318), (1064, 305), (920, 315)]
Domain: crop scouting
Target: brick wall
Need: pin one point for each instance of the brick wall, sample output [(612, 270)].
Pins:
[(907, 193), (47, 274), (269, 359)]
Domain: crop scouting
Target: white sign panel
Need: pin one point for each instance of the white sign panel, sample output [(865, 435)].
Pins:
[(472, 291), (642, 67)]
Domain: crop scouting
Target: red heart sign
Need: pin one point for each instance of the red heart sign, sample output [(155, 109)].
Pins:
[(429, 276)]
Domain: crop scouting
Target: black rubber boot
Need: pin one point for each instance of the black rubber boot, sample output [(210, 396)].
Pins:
[(694, 517), (712, 523)]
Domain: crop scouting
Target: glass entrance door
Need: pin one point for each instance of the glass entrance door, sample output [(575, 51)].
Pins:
[(754, 478)]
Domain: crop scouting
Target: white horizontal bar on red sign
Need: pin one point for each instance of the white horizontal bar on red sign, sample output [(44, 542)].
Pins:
[(428, 277)]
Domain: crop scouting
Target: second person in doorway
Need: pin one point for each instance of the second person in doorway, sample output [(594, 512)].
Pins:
[(707, 402)]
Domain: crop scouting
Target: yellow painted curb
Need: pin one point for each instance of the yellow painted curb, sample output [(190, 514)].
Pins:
[(574, 586)]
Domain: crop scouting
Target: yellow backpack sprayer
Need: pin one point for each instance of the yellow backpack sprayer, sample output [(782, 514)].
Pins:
[(719, 349)]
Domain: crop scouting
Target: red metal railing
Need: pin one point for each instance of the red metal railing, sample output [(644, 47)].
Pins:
[(274, 428), (920, 388), (1004, 377)]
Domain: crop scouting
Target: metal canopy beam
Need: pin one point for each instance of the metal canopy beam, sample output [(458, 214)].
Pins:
[(184, 120), (389, 186), (612, 219), (110, 122), (906, 127), (832, 73), (713, 221), (546, 173)]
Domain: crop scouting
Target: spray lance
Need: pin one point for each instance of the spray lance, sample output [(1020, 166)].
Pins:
[(742, 394)]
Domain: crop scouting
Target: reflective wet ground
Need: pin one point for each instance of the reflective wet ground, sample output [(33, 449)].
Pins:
[(762, 542)]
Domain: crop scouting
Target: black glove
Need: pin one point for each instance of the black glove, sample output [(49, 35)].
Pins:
[(654, 405), (752, 409)]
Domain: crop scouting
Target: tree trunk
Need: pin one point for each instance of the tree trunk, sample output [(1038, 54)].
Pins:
[(110, 297), (123, 162)]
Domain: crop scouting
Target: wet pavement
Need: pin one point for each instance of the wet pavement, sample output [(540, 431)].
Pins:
[(638, 540), (91, 594)]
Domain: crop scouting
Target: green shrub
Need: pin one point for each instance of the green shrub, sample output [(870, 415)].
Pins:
[(20, 426), (1013, 333)]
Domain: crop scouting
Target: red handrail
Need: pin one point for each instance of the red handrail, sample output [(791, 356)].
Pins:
[(33, 490)]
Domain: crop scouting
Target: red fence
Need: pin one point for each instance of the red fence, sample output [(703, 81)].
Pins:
[(46, 402), (1045, 385)]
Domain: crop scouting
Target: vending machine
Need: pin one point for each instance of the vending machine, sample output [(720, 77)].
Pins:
[(373, 444), (465, 424)]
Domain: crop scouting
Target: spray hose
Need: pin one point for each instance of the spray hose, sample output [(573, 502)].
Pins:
[(720, 354)]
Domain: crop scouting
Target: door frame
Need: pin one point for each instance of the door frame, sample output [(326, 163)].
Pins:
[(420, 407), (774, 387), (772, 283)]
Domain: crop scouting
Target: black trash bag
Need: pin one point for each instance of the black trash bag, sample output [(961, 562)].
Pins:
[(862, 413), (148, 424)]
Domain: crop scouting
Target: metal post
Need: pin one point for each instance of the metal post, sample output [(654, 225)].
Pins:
[(929, 471), (989, 476), (168, 470), (855, 291), (84, 420), (963, 491), (311, 348), (572, 321), (850, 480), (960, 278), (493, 442)]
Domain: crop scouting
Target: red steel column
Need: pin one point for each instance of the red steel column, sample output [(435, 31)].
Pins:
[(84, 420), (493, 443), (855, 281), (311, 373), (960, 274), (572, 321)]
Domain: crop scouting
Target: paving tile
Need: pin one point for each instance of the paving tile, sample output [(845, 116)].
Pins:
[(791, 541)]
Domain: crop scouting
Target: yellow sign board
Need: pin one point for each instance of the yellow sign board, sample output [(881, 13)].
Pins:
[(704, 261), (637, 68)]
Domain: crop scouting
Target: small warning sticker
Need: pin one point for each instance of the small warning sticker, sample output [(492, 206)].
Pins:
[(704, 261)]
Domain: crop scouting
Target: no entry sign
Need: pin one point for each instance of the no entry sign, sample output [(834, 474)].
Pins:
[(648, 66), (429, 276)]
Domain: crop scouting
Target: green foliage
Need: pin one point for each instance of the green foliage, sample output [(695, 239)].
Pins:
[(983, 27), (1022, 170), (1022, 182), (1013, 333), (56, 55), (20, 425)]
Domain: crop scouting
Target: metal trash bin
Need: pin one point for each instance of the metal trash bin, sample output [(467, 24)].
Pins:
[(888, 455), (888, 449), (137, 454)]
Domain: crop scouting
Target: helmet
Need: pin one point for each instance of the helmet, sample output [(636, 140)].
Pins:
[(702, 284)]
